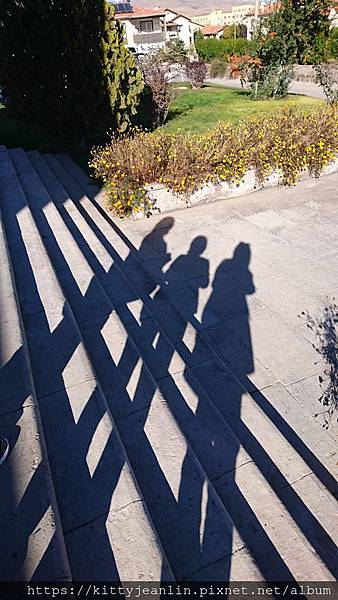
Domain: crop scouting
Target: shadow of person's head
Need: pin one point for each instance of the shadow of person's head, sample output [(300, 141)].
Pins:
[(240, 266), (164, 226), (197, 246), (242, 254)]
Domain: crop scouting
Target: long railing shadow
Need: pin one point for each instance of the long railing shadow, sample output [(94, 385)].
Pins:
[(131, 412), (68, 441), (152, 484), (229, 406), (276, 418), (214, 430), (111, 283)]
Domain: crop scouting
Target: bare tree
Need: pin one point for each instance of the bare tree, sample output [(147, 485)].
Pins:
[(155, 75)]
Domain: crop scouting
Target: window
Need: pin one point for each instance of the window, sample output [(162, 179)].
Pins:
[(146, 26)]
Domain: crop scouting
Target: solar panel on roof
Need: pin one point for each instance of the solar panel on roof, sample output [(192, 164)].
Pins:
[(122, 7)]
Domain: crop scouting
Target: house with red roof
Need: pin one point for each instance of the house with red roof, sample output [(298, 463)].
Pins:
[(213, 31), (147, 29)]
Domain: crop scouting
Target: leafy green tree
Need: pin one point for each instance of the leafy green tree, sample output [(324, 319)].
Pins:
[(230, 32), (176, 52), (333, 43), (64, 66), (123, 80), (297, 33)]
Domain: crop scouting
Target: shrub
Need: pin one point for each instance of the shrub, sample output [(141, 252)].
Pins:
[(243, 67), (210, 48), (327, 78), (196, 71), (176, 52), (289, 143), (271, 81), (159, 92), (64, 66), (219, 67), (324, 329)]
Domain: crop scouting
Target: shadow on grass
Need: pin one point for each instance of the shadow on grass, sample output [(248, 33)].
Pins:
[(177, 112)]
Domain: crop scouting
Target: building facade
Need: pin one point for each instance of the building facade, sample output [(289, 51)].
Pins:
[(148, 29), (220, 17)]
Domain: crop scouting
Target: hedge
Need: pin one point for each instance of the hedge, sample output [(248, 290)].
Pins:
[(210, 48)]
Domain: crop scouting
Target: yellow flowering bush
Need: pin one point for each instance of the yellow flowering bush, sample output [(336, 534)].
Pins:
[(287, 142)]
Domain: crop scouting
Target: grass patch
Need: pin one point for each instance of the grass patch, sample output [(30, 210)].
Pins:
[(197, 111)]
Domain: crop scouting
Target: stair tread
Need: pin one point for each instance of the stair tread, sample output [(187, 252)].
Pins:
[(298, 468), (173, 321), (289, 473), (227, 480), (106, 359), (29, 520), (52, 332)]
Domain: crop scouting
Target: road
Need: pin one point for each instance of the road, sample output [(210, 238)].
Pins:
[(296, 87), (177, 74)]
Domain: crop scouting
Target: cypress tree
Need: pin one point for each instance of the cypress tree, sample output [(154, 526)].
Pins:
[(124, 82), (64, 66)]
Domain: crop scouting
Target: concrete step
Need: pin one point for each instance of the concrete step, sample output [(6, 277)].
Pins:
[(31, 544), (101, 508), (143, 417), (173, 306), (281, 473), (216, 461)]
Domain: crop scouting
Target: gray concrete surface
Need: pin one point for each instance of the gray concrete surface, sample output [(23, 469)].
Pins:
[(305, 88), (297, 87), (180, 420)]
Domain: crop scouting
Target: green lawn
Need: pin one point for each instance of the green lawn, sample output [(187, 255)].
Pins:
[(197, 111), (193, 111)]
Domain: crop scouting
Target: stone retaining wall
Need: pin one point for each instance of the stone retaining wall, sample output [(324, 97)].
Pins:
[(166, 200), (306, 73)]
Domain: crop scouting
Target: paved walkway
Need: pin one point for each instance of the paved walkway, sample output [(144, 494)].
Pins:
[(296, 87), (177, 74), (159, 385)]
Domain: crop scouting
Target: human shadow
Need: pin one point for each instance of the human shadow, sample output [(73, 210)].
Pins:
[(225, 393), (136, 340)]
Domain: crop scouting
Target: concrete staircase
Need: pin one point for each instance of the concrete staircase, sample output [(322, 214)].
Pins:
[(131, 459)]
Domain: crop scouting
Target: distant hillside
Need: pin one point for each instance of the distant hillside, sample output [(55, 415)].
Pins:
[(192, 7)]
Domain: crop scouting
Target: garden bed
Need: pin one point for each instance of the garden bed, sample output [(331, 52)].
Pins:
[(143, 172)]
